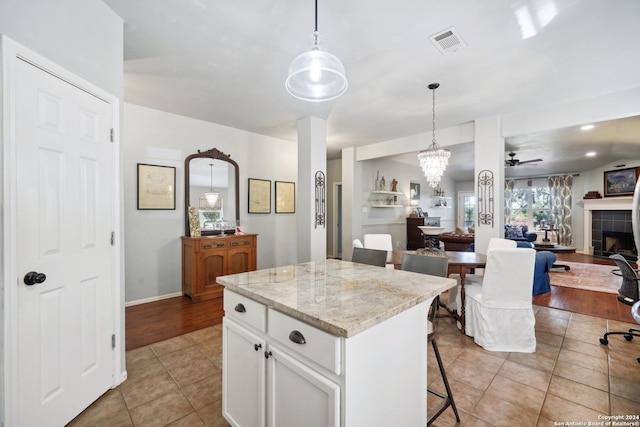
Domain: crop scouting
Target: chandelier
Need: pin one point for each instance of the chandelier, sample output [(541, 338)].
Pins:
[(316, 75), (212, 196), (434, 160)]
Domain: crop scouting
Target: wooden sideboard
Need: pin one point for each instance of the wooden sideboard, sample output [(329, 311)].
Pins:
[(415, 238), (206, 258)]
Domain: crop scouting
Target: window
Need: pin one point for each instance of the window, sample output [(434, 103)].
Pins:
[(530, 203), (466, 209)]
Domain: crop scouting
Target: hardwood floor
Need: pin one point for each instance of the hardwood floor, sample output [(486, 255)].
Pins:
[(157, 321)]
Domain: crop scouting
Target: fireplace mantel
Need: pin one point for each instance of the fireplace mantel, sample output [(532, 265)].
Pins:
[(608, 204)]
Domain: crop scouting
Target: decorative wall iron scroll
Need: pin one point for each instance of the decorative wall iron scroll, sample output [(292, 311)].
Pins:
[(485, 198), (320, 200)]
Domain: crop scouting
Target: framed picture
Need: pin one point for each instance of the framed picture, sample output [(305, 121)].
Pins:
[(620, 182), (414, 190), (259, 196), (156, 187), (285, 197), (420, 212)]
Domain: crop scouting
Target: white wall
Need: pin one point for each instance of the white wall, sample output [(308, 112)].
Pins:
[(153, 251)]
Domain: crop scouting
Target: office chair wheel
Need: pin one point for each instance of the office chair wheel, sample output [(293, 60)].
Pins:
[(628, 337), (604, 341)]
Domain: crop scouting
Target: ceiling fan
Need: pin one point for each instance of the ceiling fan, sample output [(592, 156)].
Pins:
[(515, 162)]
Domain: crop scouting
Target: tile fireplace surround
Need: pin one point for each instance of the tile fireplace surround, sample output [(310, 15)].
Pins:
[(606, 204)]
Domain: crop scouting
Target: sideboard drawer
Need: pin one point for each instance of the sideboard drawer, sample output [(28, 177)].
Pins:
[(241, 308), (213, 243), (319, 346)]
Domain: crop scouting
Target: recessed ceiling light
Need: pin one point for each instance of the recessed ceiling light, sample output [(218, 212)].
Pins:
[(586, 127), (591, 154)]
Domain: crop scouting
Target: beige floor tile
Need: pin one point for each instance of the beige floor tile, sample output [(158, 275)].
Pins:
[(581, 375), (590, 349), (163, 348), (472, 374), (584, 360), (549, 339), (205, 391), (146, 389), (623, 364), (559, 410), (188, 365), (191, 420), (517, 393), (534, 360), (140, 368), (525, 375), (552, 325), (212, 415), (591, 336), (162, 411), (499, 412), (474, 421), (625, 387), (620, 405), (109, 408), (577, 318), (466, 397), (547, 350), (138, 354), (581, 394), (478, 356), (547, 311)]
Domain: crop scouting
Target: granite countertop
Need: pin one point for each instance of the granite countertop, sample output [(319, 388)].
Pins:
[(339, 297)]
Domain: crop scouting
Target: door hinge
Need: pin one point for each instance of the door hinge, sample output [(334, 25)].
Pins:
[(113, 341), (113, 238), (112, 136)]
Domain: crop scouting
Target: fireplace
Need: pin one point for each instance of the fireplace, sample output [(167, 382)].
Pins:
[(611, 234), (616, 242)]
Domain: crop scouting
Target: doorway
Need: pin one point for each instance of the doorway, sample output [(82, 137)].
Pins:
[(466, 216)]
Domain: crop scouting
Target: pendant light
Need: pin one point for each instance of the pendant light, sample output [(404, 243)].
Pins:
[(434, 160), (316, 75), (212, 196)]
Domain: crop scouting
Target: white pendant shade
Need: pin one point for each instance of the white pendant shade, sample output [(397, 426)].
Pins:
[(316, 75)]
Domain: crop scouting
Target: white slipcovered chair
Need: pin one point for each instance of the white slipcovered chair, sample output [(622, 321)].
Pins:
[(499, 311), (381, 242), (476, 278), (357, 243)]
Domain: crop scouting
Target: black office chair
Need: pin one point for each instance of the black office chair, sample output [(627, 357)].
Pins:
[(627, 294), (369, 256), (434, 263)]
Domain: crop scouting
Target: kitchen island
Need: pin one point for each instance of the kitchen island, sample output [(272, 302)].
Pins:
[(326, 343)]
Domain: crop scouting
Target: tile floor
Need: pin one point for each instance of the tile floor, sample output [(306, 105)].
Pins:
[(570, 378)]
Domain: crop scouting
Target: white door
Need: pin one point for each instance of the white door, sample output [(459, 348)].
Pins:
[(65, 180)]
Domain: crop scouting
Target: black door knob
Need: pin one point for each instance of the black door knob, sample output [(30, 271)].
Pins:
[(31, 278)]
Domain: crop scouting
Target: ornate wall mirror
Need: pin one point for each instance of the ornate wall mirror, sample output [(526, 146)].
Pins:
[(211, 181)]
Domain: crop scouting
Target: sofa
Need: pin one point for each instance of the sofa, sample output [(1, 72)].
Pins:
[(519, 233)]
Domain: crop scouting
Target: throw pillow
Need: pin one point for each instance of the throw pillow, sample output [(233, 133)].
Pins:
[(513, 232), (459, 230), (471, 230)]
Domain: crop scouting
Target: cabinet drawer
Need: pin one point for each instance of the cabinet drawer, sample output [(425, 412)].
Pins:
[(319, 346), (208, 244), (241, 308)]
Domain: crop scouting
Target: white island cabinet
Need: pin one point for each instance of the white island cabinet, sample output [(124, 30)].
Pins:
[(327, 343)]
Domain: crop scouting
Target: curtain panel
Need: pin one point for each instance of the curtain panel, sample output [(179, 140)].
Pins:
[(560, 193)]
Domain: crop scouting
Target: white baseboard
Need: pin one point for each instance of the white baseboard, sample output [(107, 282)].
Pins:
[(152, 299)]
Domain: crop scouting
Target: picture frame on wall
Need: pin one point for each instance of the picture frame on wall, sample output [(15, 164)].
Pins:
[(414, 190), (259, 196), (156, 187), (285, 197), (620, 182)]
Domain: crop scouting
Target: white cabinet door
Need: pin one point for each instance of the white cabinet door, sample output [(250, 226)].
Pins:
[(298, 395), (243, 376)]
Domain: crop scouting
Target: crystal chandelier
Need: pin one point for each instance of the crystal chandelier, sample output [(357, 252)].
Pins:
[(316, 75), (434, 160), (212, 196)]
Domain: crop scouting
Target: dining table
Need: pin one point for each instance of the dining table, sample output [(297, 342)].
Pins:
[(459, 263)]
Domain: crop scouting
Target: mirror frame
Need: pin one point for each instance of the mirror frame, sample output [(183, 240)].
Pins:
[(214, 154)]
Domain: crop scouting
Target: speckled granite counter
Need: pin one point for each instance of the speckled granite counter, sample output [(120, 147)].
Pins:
[(339, 297)]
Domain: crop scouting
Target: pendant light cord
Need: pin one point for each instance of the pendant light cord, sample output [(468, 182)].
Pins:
[(316, 16), (433, 115)]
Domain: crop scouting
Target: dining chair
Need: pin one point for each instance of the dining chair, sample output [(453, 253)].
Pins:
[(434, 263), (499, 310), (357, 243), (369, 256), (379, 241)]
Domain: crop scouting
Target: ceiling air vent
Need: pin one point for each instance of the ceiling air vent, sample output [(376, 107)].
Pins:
[(448, 41)]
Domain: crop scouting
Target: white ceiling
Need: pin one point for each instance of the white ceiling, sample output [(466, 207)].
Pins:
[(226, 62)]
